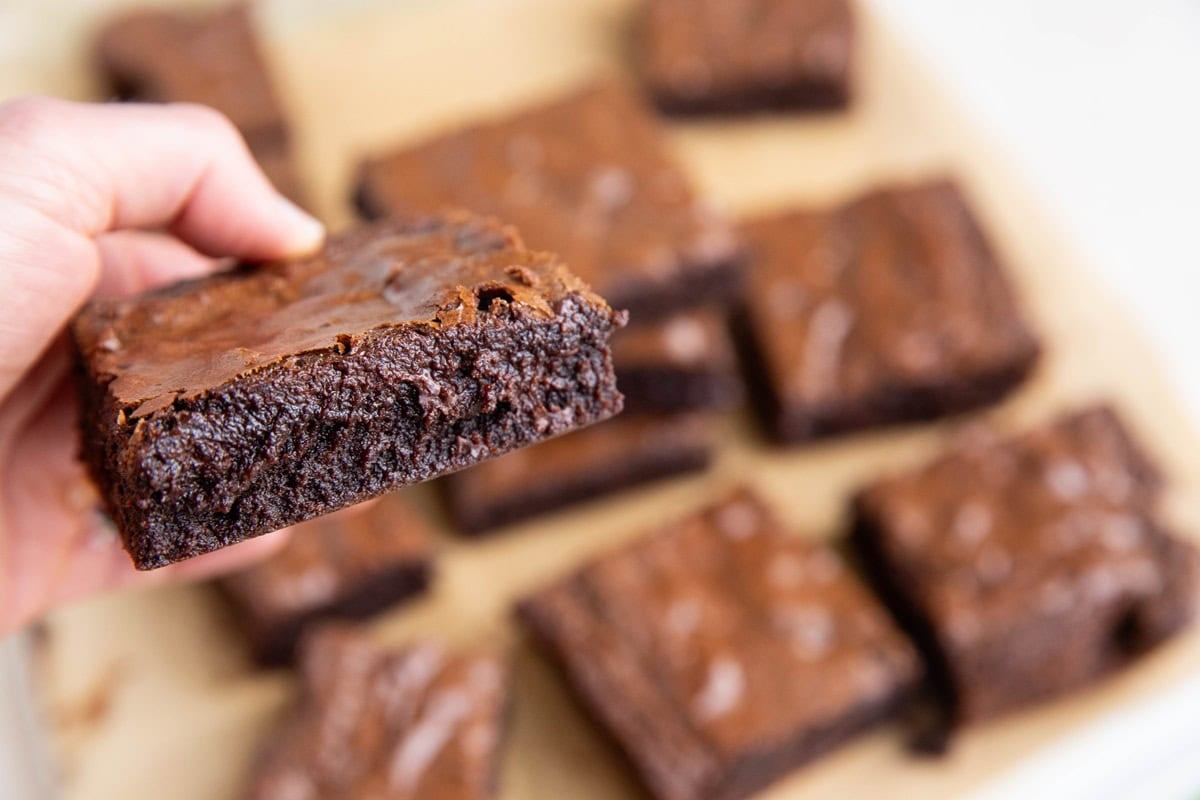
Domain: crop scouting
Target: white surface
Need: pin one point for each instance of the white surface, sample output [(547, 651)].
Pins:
[(1099, 104)]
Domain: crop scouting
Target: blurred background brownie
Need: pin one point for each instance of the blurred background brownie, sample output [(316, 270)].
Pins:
[(587, 176), (211, 57), (234, 405), (372, 722), (683, 363), (734, 56), (630, 450), (892, 308), (721, 652), (1029, 567), (350, 564)]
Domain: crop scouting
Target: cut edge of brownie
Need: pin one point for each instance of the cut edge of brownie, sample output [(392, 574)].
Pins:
[(888, 407), (805, 95)]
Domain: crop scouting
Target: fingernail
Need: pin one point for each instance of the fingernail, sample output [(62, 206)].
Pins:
[(307, 232)]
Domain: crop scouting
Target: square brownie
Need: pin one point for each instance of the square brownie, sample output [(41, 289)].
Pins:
[(417, 722), (223, 408), (721, 653), (1028, 567), (731, 56), (587, 176), (890, 309), (352, 563), (686, 362), (212, 58), (630, 450)]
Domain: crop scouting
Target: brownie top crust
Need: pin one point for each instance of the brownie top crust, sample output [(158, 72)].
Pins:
[(1001, 529), (720, 640), (210, 58), (899, 288), (418, 722), (693, 48), (423, 273), (586, 176)]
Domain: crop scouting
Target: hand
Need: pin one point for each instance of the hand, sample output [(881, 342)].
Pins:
[(81, 186)]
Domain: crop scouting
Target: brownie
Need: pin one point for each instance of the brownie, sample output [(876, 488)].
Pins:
[(227, 407), (736, 56), (388, 724), (686, 362), (350, 564), (890, 309), (212, 58), (721, 653), (630, 450), (586, 176), (1028, 567)]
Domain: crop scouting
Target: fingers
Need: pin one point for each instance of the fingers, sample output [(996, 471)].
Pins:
[(70, 172), (97, 168), (134, 261)]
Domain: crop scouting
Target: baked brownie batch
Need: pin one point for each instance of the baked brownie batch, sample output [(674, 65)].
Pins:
[(723, 650)]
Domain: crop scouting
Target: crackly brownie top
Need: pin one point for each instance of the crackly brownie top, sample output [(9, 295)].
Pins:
[(328, 556), (999, 529), (690, 340), (427, 273), (210, 58), (695, 47), (586, 176), (897, 288), (420, 722), (740, 634)]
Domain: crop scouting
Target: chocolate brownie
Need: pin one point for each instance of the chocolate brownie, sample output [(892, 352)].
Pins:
[(586, 176), (730, 56), (402, 724), (1028, 567), (630, 450), (212, 58), (684, 363), (890, 309), (352, 563), (224, 408), (722, 653)]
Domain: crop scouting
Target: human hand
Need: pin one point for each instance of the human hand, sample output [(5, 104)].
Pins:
[(81, 187)]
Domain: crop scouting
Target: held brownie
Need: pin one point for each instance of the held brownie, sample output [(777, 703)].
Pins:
[(1029, 567), (352, 563), (586, 176), (721, 653), (212, 58), (224, 408), (614, 455), (890, 309), (686, 362), (418, 723), (729, 56)]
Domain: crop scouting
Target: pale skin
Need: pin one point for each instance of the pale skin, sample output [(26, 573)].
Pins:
[(103, 200)]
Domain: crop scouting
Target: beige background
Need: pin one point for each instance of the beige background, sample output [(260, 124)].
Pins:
[(150, 695)]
